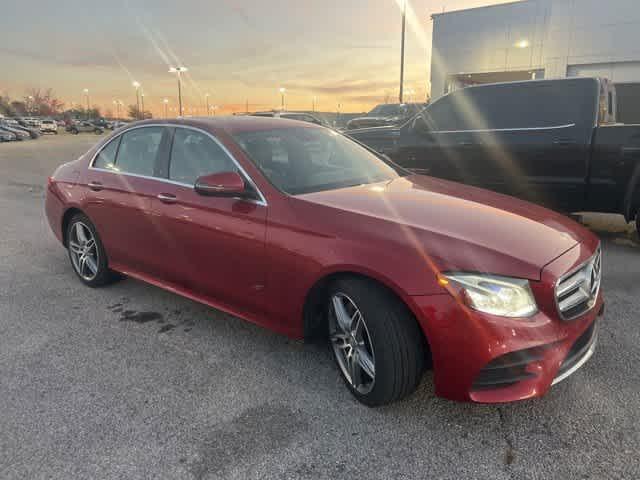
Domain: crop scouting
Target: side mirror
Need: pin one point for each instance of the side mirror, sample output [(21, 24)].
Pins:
[(223, 184)]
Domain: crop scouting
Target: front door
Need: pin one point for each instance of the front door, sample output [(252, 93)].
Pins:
[(215, 245)]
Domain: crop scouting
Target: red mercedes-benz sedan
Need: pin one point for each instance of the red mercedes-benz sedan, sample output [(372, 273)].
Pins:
[(302, 230)]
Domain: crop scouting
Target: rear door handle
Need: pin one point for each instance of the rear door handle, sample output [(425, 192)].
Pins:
[(466, 143), (95, 186), (167, 198)]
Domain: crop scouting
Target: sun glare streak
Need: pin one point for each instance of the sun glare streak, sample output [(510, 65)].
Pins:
[(420, 249), (509, 170), (190, 84), (414, 24)]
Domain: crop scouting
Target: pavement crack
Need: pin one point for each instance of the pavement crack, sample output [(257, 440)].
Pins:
[(510, 453)]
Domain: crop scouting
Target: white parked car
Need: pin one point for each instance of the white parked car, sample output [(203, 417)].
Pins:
[(48, 125)]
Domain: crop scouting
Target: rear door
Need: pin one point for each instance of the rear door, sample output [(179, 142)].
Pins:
[(120, 184), (215, 245)]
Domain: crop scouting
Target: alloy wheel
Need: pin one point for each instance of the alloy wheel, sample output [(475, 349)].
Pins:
[(83, 251), (351, 343)]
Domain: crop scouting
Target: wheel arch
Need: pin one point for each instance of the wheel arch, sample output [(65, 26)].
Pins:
[(631, 204), (312, 314), (66, 218)]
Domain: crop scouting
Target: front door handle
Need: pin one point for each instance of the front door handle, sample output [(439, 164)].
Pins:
[(95, 186), (563, 142), (167, 198), (466, 143)]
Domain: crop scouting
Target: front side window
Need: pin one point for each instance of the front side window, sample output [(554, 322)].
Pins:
[(138, 150), (195, 154), (302, 160), (107, 157), (443, 115)]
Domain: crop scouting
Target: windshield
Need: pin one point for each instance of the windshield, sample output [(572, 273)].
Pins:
[(304, 160), (388, 110)]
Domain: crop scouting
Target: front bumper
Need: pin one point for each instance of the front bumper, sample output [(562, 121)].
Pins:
[(488, 359)]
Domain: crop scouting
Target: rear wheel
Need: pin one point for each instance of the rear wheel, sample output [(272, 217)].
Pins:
[(375, 340), (87, 254), (75, 131)]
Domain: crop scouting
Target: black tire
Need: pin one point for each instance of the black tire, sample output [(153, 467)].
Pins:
[(396, 341), (638, 223), (103, 276), (97, 131), (75, 132)]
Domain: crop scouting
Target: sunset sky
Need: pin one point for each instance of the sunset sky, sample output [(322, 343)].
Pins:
[(340, 51)]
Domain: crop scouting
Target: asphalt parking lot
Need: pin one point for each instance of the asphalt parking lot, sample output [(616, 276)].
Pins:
[(134, 382)]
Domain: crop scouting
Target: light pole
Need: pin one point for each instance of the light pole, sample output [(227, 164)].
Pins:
[(142, 102), (179, 71), (313, 104), (213, 109), (404, 22), (117, 104), (206, 99), (282, 92), (136, 85), (86, 92), (165, 101)]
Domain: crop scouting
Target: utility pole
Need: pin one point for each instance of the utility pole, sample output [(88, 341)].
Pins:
[(179, 71), (136, 85), (404, 23)]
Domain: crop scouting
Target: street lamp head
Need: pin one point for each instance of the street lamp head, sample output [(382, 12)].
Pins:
[(86, 90), (136, 84), (282, 89), (166, 100), (178, 69)]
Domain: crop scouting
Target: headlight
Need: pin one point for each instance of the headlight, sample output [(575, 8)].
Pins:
[(495, 295)]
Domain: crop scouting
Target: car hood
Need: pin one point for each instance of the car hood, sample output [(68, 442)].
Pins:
[(458, 227)]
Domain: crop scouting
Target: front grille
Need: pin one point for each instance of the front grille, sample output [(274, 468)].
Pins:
[(576, 292)]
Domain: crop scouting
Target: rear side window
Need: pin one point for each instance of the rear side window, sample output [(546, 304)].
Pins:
[(195, 154), (107, 157), (138, 150)]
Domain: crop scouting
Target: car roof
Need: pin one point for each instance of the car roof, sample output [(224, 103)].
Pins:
[(231, 124)]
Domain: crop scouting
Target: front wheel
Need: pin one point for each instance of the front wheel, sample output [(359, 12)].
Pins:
[(375, 340), (75, 132), (87, 254)]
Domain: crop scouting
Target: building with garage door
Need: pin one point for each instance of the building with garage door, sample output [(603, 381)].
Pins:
[(533, 39)]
